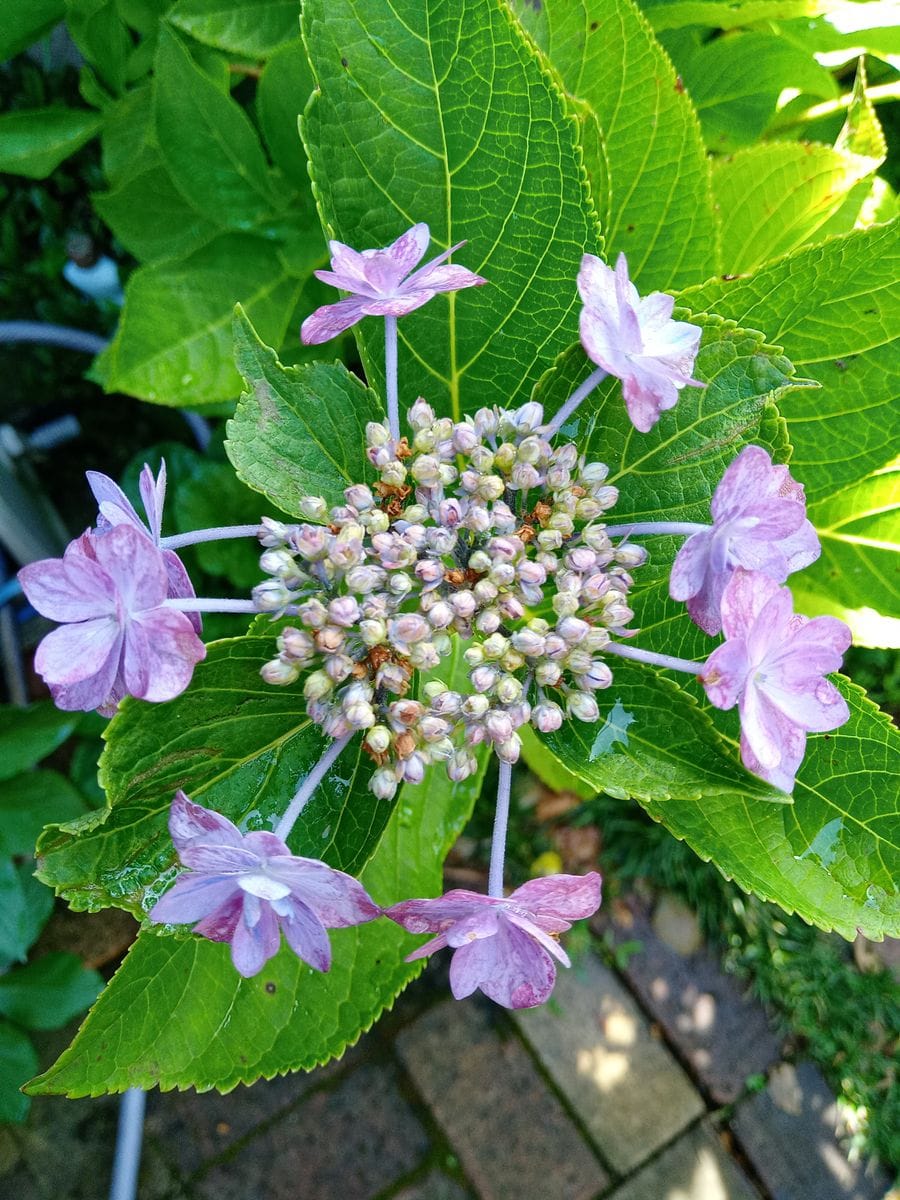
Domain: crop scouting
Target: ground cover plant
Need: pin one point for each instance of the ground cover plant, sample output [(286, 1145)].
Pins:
[(621, 466)]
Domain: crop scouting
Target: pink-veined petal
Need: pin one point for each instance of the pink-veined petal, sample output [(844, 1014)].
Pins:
[(220, 925), (745, 596), (153, 495), (113, 505), (194, 896), (725, 674), (560, 897), (180, 586), (511, 968), (189, 822), (76, 653), (167, 643), (481, 923), (550, 944), (436, 943), (766, 729), (409, 249), (817, 708), (424, 916), (782, 774), (73, 588), (337, 898), (691, 563), (330, 320), (135, 565), (253, 945), (306, 935), (447, 278)]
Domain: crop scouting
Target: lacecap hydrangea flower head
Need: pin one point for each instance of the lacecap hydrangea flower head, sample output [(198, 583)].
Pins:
[(493, 530)]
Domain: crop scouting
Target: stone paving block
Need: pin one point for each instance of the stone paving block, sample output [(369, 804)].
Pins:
[(192, 1127), (510, 1132), (597, 1046), (788, 1134), (350, 1142), (65, 1152), (695, 1167), (724, 1035), (435, 1187)]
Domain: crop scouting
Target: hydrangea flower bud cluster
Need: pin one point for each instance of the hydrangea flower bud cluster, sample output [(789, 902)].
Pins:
[(482, 528)]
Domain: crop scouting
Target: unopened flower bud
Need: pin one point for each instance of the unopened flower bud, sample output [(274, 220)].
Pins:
[(384, 783), (280, 672), (378, 739), (317, 686), (271, 595), (547, 717), (509, 750), (583, 706), (313, 508)]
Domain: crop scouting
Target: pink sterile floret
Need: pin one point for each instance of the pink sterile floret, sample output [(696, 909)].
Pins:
[(114, 508), (506, 946), (760, 524), (117, 638), (381, 284), (247, 888), (636, 340), (773, 666)]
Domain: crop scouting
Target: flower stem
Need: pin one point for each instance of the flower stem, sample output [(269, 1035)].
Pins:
[(205, 604), (656, 660), (574, 400), (679, 528), (498, 836), (390, 374), (177, 540), (309, 785)]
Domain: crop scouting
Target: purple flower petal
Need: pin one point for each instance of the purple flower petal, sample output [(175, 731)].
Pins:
[(76, 653), (153, 494), (337, 898), (378, 283), (72, 588), (635, 340), (189, 822), (163, 641), (480, 923), (330, 320), (256, 938), (192, 897), (135, 565), (510, 968), (221, 924), (561, 898), (306, 935), (430, 916), (114, 506)]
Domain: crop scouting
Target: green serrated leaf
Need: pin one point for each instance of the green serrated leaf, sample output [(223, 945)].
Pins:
[(173, 344), (776, 197), (298, 431), (443, 113), (152, 219), (203, 1026), (649, 173), (549, 768), (34, 142), (735, 82), (833, 309), (857, 576), (281, 95), (831, 856), (210, 148), (18, 1062), (100, 34), (231, 742), (726, 14), (48, 992), (23, 24), (255, 29), (655, 744), (29, 734), (25, 907), (31, 801)]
